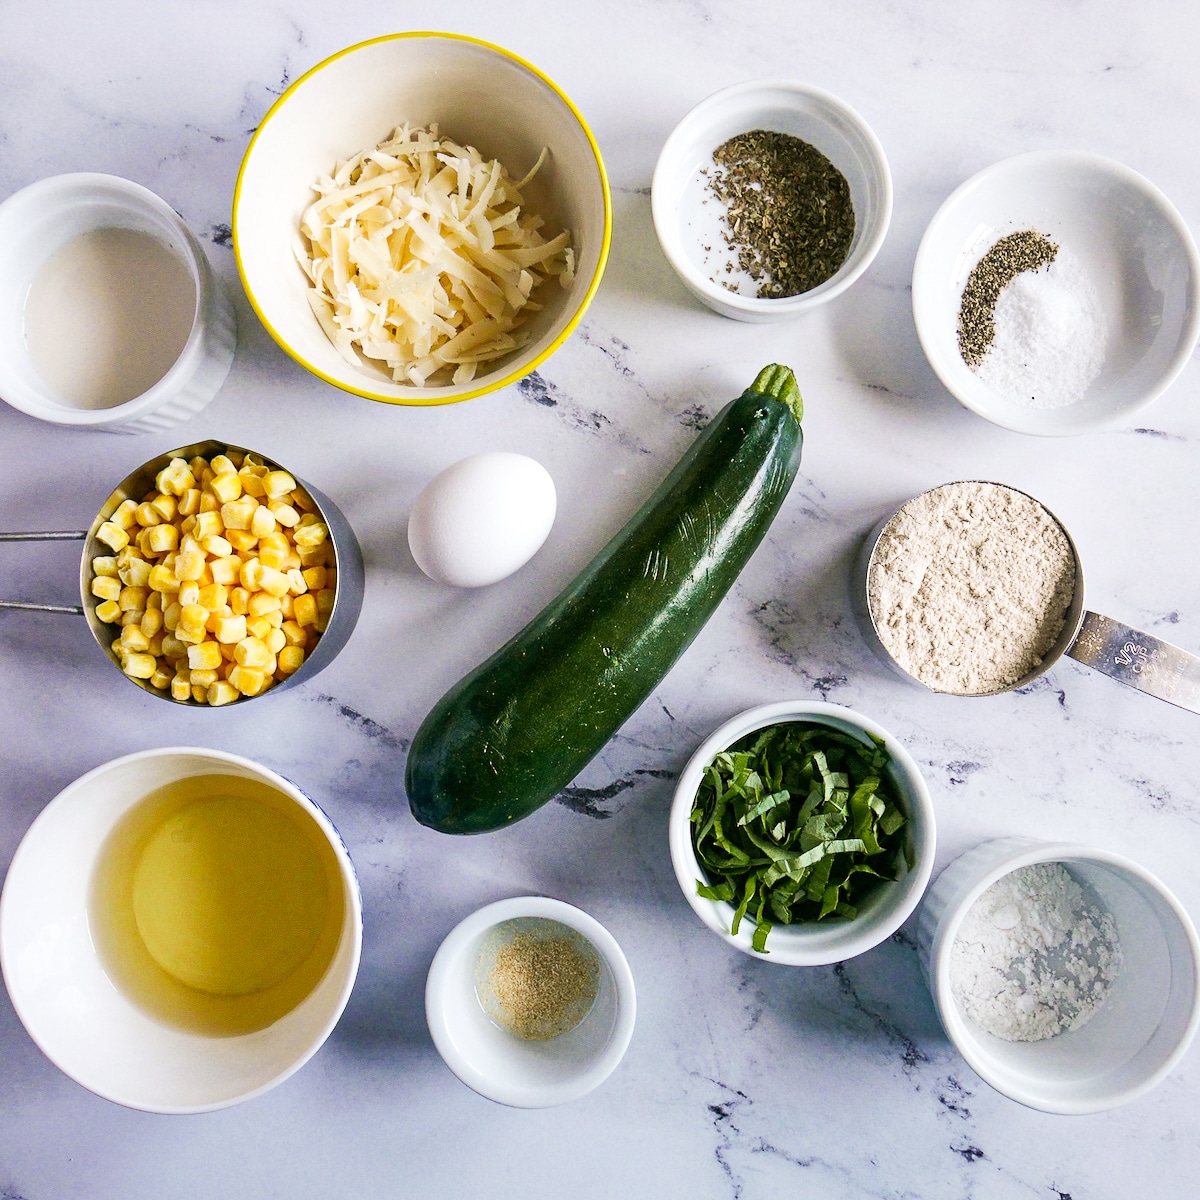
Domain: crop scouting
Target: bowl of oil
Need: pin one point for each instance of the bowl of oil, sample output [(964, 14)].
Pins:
[(180, 930), (110, 315), (530, 1002)]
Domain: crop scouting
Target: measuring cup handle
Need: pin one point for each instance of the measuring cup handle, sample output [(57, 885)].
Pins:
[(1139, 660), (73, 535)]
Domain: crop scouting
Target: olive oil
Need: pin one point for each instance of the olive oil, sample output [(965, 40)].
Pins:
[(216, 905)]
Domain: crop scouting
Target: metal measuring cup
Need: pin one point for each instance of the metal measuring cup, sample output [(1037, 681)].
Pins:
[(347, 556), (1130, 656)]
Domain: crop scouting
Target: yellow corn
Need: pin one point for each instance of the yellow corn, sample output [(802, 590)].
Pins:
[(105, 587), (304, 609), (226, 487), (222, 692), (231, 629), (181, 689), (112, 535), (290, 659), (247, 680), (206, 656), (108, 611)]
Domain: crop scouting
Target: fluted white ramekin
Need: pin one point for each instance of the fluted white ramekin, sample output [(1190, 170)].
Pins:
[(43, 217), (1149, 1018)]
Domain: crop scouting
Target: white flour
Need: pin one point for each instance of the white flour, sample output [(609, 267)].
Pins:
[(1050, 336), (1035, 956), (969, 586)]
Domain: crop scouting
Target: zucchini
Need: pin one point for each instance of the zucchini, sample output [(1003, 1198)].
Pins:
[(516, 730)]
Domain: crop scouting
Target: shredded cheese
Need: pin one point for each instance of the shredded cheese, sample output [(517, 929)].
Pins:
[(422, 258)]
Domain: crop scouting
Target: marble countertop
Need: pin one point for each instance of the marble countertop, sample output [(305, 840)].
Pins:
[(744, 1078)]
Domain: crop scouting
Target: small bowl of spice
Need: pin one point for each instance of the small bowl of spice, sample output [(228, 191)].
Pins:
[(770, 198), (1057, 293), (802, 832), (1068, 977), (530, 1002)]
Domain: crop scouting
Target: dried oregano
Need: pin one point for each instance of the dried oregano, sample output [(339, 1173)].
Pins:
[(789, 217)]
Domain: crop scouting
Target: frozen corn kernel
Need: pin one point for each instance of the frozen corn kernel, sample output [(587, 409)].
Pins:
[(133, 640), (151, 622), (230, 629), (208, 503), (303, 501), (225, 570), (104, 565), (293, 563), (112, 535), (193, 617), (228, 655), (278, 484), (105, 587), (147, 515), (304, 609), (270, 554), (262, 522), (285, 606), (215, 618), (252, 484), (108, 611), (213, 596), (247, 680), (251, 652), (290, 659), (205, 677), (273, 581), (191, 502), (222, 692), (171, 614), (131, 616), (284, 513), (199, 694), (156, 645), (181, 689), (241, 539), (125, 515), (189, 593), (275, 641), (222, 464), (262, 603), (161, 679), (315, 577), (258, 627), (162, 539), (237, 514), (132, 599), (189, 564), (162, 579), (136, 571), (208, 524), (251, 575), (175, 478), (165, 506), (216, 546), (294, 634), (227, 488), (139, 666), (205, 656), (325, 599), (193, 637)]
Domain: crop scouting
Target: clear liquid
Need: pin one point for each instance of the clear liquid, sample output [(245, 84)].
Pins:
[(107, 316), (216, 905)]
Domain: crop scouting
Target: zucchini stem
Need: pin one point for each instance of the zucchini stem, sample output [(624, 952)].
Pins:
[(779, 383)]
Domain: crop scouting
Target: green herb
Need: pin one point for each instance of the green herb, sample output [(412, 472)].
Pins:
[(788, 212), (797, 822)]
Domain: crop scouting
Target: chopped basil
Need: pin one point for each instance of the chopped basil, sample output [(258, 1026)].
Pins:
[(796, 822)]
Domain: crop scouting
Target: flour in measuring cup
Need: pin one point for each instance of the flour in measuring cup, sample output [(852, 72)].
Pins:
[(1035, 956)]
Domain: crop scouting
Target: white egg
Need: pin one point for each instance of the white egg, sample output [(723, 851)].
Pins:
[(482, 518)]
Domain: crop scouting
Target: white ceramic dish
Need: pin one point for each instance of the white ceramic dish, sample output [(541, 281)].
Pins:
[(43, 217), (1134, 247), (505, 1068), (477, 93), (833, 939), (1143, 1029), (686, 224), (81, 1021)]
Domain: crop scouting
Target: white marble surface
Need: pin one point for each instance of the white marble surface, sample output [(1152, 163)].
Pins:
[(744, 1079)]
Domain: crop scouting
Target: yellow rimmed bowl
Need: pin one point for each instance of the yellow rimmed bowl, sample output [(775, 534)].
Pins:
[(478, 94)]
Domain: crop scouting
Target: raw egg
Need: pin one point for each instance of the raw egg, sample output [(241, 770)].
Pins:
[(482, 518)]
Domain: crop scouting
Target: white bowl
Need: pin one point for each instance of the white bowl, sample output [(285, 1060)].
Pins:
[(42, 218), (478, 94), (1151, 1014), (686, 224), (506, 1068), (1134, 247), (835, 938), (81, 1021)]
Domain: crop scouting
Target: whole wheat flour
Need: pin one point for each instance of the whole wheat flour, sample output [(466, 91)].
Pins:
[(969, 586), (1035, 956)]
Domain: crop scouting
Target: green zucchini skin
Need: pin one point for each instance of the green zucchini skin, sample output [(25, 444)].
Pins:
[(514, 732)]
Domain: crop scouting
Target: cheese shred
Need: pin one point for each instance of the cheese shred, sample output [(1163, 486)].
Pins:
[(423, 259)]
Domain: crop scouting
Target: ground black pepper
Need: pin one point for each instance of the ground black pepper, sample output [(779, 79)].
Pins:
[(789, 215), (1009, 257)]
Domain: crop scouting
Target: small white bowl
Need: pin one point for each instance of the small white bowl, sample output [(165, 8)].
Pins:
[(86, 1026), (479, 94), (1130, 240), (41, 219), (834, 939), (686, 224), (1140, 1033), (506, 1068)]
